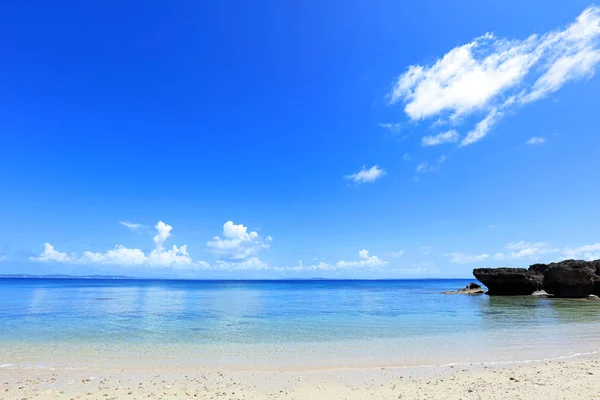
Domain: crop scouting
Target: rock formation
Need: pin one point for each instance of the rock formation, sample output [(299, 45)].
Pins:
[(471, 288), (572, 278), (509, 281), (569, 278)]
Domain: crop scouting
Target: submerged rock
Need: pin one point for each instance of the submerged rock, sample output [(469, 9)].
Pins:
[(509, 281), (471, 288)]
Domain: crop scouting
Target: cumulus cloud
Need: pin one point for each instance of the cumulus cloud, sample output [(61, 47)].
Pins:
[(441, 138), (163, 231), (131, 225), (50, 254), (492, 75), (123, 256), (237, 244), (236, 249), (536, 140), (366, 175)]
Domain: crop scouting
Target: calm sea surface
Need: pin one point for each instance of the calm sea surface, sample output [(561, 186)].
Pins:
[(263, 324)]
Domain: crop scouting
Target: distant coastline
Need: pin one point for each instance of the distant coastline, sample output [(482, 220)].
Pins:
[(123, 277), (60, 276)]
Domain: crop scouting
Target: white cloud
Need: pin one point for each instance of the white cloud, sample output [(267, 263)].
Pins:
[(587, 252), (406, 157), (131, 225), (525, 245), (536, 140), (365, 261), (163, 231), (445, 137), (466, 79), (532, 251), (237, 243), (491, 75), (252, 263), (482, 128), (525, 249), (123, 256), (50, 254), (366, 175), (461, 258), (119, 255)]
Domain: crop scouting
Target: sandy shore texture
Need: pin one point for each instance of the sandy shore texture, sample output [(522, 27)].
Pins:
[(576, 378)]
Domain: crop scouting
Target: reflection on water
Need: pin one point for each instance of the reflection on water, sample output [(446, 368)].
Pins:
[(398, 319), (525, 311)]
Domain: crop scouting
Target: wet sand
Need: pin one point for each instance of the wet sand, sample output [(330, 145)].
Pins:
[(575, 378)]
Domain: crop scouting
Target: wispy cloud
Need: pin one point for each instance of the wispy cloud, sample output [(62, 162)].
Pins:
[(533, 251), (131, 225), (492, 75), (536, 140), (426, 167), (366, 175), (587, 252), (392, 127), (426, 250), (396, 254), (433, 167), (365, 261), (441, 138), (461, 258)]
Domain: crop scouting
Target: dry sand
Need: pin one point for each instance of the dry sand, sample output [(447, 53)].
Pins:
[(576, 378)]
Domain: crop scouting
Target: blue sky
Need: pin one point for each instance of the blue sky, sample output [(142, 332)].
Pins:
[(297, 139)]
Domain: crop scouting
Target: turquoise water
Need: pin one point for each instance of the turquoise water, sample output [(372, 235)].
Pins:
[(329, 323)]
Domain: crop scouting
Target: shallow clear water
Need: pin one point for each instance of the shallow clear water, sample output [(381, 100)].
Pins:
[(274, 323)]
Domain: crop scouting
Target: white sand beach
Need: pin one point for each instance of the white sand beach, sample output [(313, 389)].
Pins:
[(575, 378)]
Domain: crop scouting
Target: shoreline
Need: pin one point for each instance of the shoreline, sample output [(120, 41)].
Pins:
[(573, 378), (308, 369), (427, 352)]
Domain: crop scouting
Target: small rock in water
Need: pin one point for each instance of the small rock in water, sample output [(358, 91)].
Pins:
[(471, 288)]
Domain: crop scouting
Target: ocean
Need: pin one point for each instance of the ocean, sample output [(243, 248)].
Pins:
[(294, 324)]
